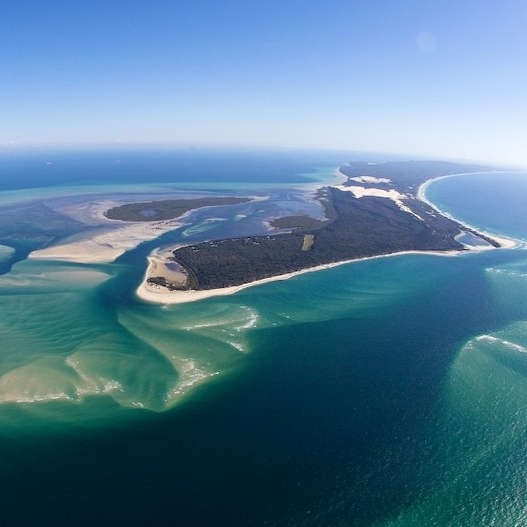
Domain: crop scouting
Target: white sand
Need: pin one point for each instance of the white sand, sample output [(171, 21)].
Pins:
[(159, 266), (110, 240), (160, 295), (396, 197), (506, 243), (108, 245), (360, 192), (370, 179)]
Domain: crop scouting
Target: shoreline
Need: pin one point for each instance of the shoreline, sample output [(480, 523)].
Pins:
[(161, 295), (113, 237), (505, 242), (158, 294)]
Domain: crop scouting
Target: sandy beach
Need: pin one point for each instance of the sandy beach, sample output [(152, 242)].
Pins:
[(506, 243), (161, 295)]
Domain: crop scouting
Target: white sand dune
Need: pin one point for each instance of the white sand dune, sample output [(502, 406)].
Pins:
[(396, 197)]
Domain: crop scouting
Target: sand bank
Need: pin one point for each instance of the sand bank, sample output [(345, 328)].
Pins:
[(107, 245), (167, 269), (108, 240)]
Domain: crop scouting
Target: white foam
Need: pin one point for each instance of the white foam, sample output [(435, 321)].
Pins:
[(237, 345), (507, 343), (36, 398), (189, 375), (508, 272), (251, 322), (111, 386)]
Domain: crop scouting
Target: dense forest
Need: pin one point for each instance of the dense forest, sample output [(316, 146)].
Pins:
[(354, 227), (165, 209), (363, 227)]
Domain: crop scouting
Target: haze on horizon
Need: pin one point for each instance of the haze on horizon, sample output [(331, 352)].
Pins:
[(441, 78)]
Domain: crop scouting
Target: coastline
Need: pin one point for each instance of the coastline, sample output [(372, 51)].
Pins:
[(505, 242), (159, 294), (116, 237)]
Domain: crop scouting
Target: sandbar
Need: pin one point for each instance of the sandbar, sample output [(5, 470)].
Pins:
[(106, 246), (109, 239)]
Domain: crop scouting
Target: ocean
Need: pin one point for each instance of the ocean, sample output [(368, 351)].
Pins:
[(384, 393)]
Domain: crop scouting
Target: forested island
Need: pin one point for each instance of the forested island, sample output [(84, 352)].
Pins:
[(165, 209), (377, 211)]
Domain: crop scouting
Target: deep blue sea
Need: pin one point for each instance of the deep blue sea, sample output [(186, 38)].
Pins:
[(389, 392)]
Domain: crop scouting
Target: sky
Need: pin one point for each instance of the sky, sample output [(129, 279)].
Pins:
[(438, 78)]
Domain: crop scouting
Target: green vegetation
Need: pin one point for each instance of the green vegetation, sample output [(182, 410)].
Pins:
[(298, 222), (363, 227), (165, 209), (354, 228)]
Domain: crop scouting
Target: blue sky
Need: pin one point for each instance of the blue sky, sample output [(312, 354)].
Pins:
[(438, 78)]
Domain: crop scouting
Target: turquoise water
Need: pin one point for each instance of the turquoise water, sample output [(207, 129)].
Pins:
[(492, 201), (388, 392)]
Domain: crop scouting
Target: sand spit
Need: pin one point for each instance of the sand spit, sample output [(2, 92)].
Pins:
[(166, 269)]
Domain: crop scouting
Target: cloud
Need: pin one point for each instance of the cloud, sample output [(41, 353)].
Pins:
[(427, 42)]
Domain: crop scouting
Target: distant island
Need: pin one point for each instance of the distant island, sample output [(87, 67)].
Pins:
[(376, 211)]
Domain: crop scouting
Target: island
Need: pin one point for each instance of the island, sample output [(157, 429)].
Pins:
[(378, 210), (165, 209)]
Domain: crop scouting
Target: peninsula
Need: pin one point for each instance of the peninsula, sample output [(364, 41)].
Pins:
[(377, 211)]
